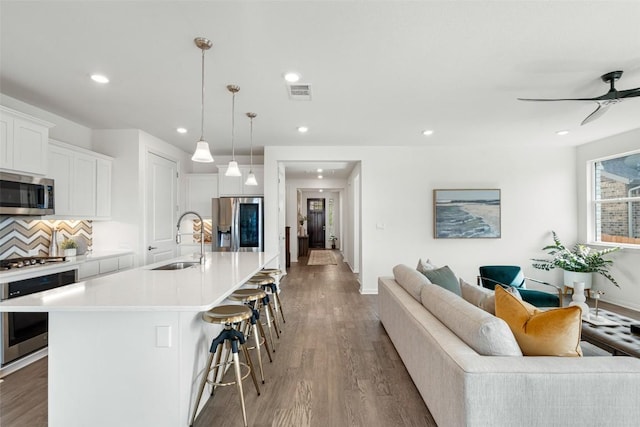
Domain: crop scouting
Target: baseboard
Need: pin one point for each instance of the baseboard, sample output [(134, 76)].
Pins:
[(21, 363)]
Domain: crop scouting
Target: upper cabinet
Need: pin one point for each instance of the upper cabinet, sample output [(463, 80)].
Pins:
[(82, 182), (234, 186), (23, 142), (200, 189)]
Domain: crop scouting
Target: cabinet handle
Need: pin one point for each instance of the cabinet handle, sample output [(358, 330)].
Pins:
[(152, 248)]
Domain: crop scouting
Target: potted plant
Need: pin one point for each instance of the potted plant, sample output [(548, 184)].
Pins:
[(333, 239), (579, 259), (69, 247)]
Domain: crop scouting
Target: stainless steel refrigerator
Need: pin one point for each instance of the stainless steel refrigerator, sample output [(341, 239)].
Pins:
[(237, 224)]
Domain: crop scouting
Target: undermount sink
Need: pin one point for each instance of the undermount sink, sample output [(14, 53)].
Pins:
[(177, 265)]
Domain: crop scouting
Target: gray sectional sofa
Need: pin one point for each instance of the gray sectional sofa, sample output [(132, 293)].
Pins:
[(469, 373)]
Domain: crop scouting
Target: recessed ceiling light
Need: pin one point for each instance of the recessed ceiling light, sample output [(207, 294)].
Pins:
[(321, 190), (181, 130), (562, 132), (319, 176), (303, 129), (427, 132), (292, 77), (99, 78), (319, 170)]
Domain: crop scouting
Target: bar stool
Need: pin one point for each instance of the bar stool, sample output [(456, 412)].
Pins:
[(275, 273), (228, 315), (266, 282), (251, 298)]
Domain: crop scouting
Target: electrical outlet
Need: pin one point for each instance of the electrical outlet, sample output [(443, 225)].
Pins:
[(33, 252)]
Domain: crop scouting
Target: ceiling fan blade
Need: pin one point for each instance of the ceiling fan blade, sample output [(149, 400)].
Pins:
[(562, 99), (602, 108), (629, 93)]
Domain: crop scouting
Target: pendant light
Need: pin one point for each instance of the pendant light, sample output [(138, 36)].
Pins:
[(251, 178), (202, 153), (233, 169)]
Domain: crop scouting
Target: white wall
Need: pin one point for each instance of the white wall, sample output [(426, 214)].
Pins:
[(64, 130), (538, 195), (626, 267)]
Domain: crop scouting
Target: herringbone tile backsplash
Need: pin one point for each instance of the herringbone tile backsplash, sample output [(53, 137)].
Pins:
[(18, 236)]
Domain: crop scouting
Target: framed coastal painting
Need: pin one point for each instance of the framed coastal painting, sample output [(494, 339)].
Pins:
[(466, 214)]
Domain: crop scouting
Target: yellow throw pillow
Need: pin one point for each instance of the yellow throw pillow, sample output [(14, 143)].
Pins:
[(554, 332)]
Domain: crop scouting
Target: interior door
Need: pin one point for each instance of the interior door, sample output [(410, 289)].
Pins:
[(161, 206), (315, 223)]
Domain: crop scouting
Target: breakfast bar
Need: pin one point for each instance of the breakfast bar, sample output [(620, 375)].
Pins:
[(129, 349)]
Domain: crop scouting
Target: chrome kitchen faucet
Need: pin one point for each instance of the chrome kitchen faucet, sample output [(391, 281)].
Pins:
[(178, 234)]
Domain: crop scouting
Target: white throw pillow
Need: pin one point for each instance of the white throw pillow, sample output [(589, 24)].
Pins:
[(425, 265)]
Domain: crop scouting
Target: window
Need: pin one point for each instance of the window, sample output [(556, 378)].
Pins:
[(617, 199)]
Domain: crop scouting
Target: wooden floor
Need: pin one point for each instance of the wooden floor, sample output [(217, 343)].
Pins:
[(334, 365)]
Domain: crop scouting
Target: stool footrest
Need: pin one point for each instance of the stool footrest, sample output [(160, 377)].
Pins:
[(233, 335)]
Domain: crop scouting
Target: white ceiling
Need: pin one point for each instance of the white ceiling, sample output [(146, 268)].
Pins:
[(381, 71)]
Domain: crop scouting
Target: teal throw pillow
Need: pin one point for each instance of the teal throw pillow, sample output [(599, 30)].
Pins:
[(444, 278)]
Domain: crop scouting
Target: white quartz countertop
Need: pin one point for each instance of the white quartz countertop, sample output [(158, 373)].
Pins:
[(198, 288), (71, 263)]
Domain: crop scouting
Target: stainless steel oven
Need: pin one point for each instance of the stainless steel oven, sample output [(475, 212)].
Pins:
[(24, 333)]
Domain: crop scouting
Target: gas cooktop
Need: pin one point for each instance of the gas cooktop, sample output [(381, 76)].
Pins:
[(21, 262)]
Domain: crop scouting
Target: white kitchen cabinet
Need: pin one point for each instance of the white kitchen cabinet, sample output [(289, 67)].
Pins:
[(61, 170), (125, 261), (105, 265), (84, 185), (23, 142), (108, 265), (82, 182), (88, 269), (200, 189), (234, 186), (103, 187)]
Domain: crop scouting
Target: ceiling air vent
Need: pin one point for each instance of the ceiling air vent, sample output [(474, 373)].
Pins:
[(299, 91)]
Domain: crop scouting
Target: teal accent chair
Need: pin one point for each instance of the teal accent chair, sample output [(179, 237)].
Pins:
[(512, 275)]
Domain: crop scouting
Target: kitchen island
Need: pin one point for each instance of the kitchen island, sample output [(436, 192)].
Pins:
[(129, 349)]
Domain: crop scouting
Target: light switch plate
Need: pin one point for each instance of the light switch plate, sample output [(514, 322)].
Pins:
[(163, 336)]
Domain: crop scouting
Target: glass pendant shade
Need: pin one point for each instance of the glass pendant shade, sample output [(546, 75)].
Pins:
[(233, 169), (202, 153), (251, 179)]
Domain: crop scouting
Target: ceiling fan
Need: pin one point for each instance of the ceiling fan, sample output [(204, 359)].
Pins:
[(613, 96)]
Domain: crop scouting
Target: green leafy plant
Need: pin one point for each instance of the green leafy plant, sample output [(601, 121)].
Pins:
[(580, 259), (68, 244), (333, 238)]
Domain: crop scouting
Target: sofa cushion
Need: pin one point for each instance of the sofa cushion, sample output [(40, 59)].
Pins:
[(444, 278), (425, 265), (410, 279), (478, 296), (554, 332), (486, 334)]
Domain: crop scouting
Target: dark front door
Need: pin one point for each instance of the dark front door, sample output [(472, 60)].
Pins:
[(315, 222)]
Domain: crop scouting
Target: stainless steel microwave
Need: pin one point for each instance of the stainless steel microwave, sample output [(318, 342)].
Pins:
[(26, 195)]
